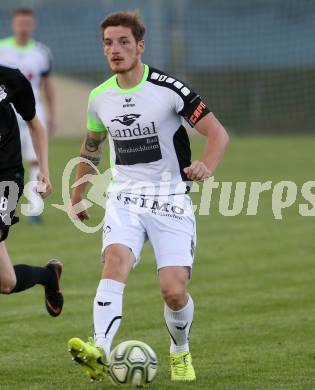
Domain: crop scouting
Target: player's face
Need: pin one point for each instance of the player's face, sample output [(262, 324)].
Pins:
[(121, 49), (23, 26)]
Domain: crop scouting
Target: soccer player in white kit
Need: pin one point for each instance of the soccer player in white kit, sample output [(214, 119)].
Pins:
[(34, 61), (141, 109)]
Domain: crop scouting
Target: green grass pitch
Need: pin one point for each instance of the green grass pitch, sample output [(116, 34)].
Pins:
[(253, 287)]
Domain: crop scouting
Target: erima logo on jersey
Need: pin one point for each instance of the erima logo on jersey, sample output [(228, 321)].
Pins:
[(3, 93), (128, 103), (170, 80), (126, 120)]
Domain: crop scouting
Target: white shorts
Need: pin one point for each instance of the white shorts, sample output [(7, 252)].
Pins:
[(167, 222), (28, 152)]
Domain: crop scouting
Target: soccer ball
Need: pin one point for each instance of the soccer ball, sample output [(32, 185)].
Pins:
[(132, 363)]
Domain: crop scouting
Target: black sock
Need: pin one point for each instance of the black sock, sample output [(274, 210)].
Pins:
[(27, 276)]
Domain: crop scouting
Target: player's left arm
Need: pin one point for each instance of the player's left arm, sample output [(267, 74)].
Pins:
[(49, 93), (40, 143), (217, 140), (24, 103)]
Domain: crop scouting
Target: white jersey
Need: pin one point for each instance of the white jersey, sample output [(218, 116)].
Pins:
[(33, 60), (149, 146)]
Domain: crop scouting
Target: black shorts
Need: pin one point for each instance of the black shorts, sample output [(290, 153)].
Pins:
[(11, 190)]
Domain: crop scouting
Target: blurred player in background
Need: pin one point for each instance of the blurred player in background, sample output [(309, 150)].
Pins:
[(141, 110), (15, 89), (34, 61)]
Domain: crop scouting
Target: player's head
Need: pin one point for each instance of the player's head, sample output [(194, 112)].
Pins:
[(23, 23), (123, 34)]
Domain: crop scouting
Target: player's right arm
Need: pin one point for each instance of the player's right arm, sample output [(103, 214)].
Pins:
[(91, 151)]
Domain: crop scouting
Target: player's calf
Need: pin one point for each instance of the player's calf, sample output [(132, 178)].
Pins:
[(7, 285), (7, 275)]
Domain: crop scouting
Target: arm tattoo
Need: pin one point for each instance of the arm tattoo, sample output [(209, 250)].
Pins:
[(94, 160), (92, 144)]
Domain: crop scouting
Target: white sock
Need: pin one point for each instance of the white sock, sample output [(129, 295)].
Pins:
[(178, 323), (34, 197), (107, 312)]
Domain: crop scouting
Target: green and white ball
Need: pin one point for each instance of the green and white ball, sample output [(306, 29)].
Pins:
[(132, 363)]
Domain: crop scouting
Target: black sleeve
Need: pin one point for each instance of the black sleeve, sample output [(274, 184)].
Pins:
[(194, 108), (187, 103), (24, 100)]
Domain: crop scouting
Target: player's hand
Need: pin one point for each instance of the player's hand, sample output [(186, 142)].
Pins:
[(197, 171), (43, 186), (78, 209)]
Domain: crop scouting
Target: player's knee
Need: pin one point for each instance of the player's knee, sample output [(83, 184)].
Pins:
[(175, 298), (113, 260), (7, 284), (116, 266)]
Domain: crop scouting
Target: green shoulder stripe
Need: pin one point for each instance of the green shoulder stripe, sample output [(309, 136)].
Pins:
[(6, 42), (93, 125), (102, 88), (10, 42)]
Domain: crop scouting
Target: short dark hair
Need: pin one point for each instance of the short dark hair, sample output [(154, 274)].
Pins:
[(131, 19), (24, 11)]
